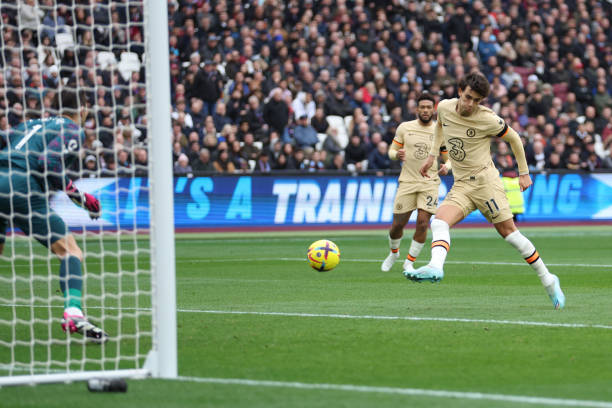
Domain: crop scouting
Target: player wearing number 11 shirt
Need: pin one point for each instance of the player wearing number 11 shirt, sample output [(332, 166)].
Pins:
[(33, 164), (467, 129)]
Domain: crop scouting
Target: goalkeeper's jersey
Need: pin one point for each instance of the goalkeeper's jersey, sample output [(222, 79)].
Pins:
[(44, 148)]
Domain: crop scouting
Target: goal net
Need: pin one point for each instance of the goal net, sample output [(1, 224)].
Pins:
[(102, 48)]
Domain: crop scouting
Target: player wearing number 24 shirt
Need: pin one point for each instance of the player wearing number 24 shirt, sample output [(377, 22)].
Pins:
[(411, 145), (33, 164), (467, 129)]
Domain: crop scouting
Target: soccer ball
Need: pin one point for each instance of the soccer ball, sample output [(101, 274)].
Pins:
[(323, 255)]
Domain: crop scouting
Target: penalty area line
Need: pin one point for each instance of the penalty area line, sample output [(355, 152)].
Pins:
[(519, 399), (343, 316), (409, 318)]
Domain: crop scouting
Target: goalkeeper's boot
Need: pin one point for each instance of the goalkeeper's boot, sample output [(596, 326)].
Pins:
[(425, 273), (80, 324), (556, 294), (389, 261)]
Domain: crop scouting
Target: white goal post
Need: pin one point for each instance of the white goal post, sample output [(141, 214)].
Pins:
[(129, 286)]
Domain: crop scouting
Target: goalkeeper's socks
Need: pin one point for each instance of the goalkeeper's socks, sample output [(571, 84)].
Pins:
[(73, 311), (531, 255), (71, 281), (440, 243)]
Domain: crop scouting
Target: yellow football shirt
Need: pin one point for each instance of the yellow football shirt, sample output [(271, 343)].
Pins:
[(468, 138), (416, 140)]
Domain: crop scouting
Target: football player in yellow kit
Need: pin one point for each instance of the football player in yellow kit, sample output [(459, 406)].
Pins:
[(411, 145), (467, 129)]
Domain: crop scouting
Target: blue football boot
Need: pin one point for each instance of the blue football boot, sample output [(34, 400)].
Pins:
[(556, 294), (425, 273)]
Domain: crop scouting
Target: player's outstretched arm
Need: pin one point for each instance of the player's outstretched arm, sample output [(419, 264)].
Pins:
[(446, 164), (85, 200), (434, 151), (61, 152), (427, 165), (519, 153)]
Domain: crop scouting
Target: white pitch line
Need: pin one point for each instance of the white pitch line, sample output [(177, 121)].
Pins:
[(410, 318), (285, 259), (519, 399), (348, 316), (378, 260)]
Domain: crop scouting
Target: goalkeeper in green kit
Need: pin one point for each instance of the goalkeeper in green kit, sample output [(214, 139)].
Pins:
[(32, 165)]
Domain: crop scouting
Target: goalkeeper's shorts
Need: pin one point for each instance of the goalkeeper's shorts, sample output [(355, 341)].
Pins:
[(23, 200)]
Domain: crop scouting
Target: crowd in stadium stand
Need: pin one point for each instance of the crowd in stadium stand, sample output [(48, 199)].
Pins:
[(322, 85)]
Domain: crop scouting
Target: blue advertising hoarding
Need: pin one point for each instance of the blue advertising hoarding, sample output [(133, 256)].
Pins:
[(311, 200)]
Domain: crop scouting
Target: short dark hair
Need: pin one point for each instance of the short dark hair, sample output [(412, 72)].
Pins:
[(70, 100), (477, 81), (426, 96)]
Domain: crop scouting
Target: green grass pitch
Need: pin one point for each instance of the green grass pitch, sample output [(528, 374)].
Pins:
[(257, 327)]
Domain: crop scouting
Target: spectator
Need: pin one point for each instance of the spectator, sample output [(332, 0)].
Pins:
[(537, 159), (602, 98), (332, 143), (124, 163), (249, 150), (141, 162), (296, 160), (509, 77), (276, 112), (318, 121), (281, 162), (194, 150), (90, 166), (197, 115), (379, 158), (573, 161), (305, 136), (220, 118), (263, 163), (254, 116), (487, 46), (181, 115), (458, 26), (377, 124), (504, 161), (30, 16), (182, 167), (109, 166), (337, 162), (337, 104), (592, 162), (235, 106), (536, 105), (237, 157), (207, 86), (316, 162), (554, 161), (372, 145), (223, 164), (355, 153), (303, 105), (203, 163)]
